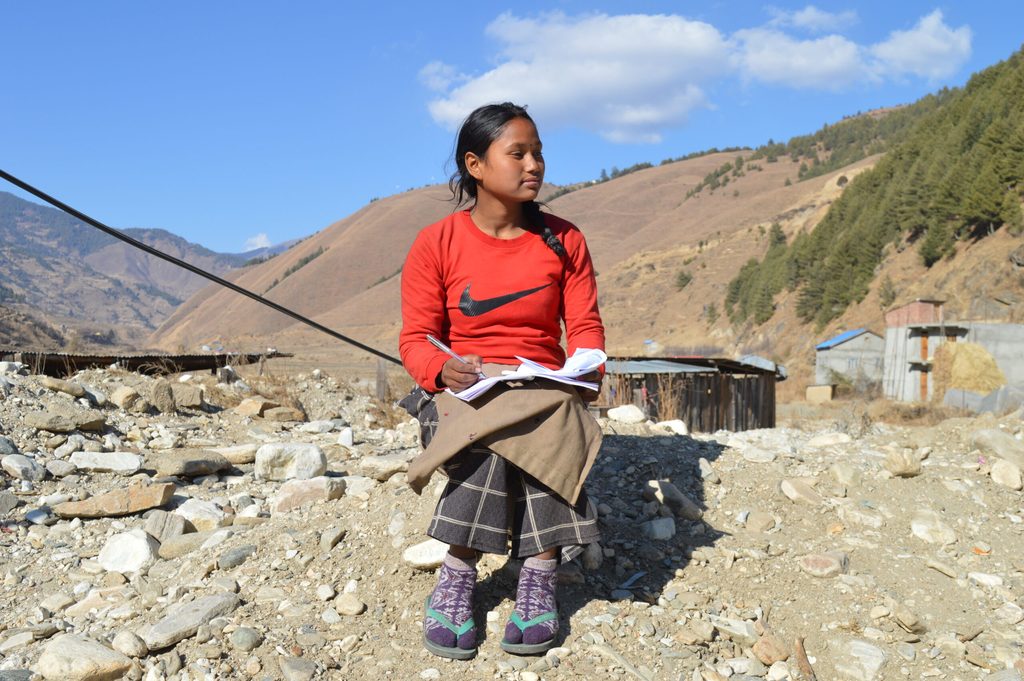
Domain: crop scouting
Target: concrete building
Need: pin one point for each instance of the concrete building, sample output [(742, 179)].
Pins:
[(856, 355), (915, 331)]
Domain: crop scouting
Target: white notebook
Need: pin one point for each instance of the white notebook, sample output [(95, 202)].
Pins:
[(582, 362)]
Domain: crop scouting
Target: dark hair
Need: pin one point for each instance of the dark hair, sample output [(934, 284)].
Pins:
[(481, 127)]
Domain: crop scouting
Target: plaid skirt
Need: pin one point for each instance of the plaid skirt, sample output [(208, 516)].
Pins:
[(488, 501)]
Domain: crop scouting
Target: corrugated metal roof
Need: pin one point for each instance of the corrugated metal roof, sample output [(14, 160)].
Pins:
[(653, 366), (841, 338), (692, 364)]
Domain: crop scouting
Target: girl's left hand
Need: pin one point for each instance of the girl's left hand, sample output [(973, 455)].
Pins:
[(589, 396)]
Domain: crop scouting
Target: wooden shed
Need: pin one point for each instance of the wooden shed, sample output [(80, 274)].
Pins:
[(707, 393)]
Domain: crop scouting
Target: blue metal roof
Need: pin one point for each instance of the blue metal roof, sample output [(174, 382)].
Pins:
[(841, 338)]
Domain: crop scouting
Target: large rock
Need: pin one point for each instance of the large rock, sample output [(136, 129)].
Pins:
[(665, 492), (125, 397), (60, 385), (117, 502), (188, 396), (927, 525), (254, 406), (164, 526), (175, 547), (383, 467), (204, 515), (161, 397), (184, 619), (65, 419), (283, 414), (238, 454), (22, 467), (859, 660), (627, 413), (298, 493), (125, 463), (128, 552), (1006, 473), (289, 461), (72, 658), (426, 555), (995, 442), (800, 492), (188, 463), (659, 529)]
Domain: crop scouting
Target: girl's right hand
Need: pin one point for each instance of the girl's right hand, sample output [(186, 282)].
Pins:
[(460, 375)]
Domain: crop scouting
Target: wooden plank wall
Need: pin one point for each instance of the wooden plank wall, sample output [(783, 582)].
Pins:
[(705, 402)]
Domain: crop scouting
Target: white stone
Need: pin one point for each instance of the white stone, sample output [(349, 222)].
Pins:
[(346, 438), (125, 463), (383, 467), (829, 439), (659, 529), (184, 619), (238, 454), (1006, 473), (985, 579), (22, 467), (664, 492), (800, 491), (757, 455), (927, 525), (356, 485), (128, 552), (1010, 613), (299, 493), (675, 425), (289, 461), (72, 658), (627, 413), (740, 631), (859, 660), (127, 643), (319, 427), (204, 515), (779, 671), (426, 555)]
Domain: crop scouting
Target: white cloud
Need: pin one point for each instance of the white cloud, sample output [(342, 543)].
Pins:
[(439, 76), (812, 19), (631, 77), (930, 50), (828, 63), (626, 77), (261, 240)]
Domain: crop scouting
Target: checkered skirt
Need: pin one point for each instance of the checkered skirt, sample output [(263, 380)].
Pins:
[(489, 501)]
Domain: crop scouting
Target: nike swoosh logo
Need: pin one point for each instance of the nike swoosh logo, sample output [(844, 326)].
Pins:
[(474, 308)]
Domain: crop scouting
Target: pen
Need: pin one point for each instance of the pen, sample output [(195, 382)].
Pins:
[(447, 350)]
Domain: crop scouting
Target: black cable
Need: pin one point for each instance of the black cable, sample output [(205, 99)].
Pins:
[(191, 268)]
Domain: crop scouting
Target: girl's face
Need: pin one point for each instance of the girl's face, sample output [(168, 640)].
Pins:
[(512, 170)]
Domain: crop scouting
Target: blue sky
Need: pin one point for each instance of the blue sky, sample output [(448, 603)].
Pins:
[(240, 124)]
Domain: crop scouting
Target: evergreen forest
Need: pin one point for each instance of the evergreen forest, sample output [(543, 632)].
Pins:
[(953, 170)]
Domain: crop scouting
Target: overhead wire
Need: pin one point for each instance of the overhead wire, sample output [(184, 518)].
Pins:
[(117, 234)]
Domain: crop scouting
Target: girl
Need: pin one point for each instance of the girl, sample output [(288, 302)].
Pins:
[(496, 281)]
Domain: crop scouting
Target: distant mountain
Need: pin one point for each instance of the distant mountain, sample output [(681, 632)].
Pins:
[(77, 276)]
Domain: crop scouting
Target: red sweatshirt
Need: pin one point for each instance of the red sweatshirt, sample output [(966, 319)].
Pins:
[(496, 298)]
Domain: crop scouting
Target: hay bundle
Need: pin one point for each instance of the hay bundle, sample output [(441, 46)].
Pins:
[(967, 366)]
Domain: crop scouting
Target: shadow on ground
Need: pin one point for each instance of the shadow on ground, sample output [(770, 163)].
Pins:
[(640, 568)]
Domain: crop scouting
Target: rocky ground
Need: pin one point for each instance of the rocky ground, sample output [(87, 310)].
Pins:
[(262, 528)]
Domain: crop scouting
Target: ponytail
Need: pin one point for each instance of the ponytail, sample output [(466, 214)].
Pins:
[(531, 211)]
